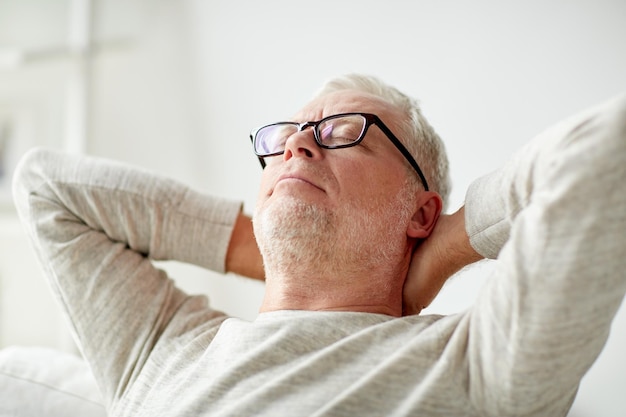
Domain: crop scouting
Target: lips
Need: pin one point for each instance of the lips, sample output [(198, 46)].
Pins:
[(297, 177)]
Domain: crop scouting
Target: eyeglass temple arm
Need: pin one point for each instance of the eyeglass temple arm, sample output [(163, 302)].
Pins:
[(404, 151)]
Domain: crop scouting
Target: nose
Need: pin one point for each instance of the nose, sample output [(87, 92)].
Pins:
[(302, 144)]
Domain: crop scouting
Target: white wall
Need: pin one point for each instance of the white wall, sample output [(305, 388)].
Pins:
[(181, 83)]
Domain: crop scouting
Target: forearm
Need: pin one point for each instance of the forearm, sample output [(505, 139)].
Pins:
[(94, 225), (156, 217), (554, 218), (243, 256)]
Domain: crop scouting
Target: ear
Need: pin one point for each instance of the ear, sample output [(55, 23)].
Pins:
[(428, 209)]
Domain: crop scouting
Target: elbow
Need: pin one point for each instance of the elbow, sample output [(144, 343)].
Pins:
[(29, 176)]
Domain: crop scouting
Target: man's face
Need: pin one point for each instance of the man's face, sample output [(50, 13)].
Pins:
[(317, 204)]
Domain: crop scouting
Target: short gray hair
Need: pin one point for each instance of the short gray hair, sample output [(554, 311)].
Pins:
[(416, 133)]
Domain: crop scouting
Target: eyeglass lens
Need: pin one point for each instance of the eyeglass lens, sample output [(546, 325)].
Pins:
[(331, 132)]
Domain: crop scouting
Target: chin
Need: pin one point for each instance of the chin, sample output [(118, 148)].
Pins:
[(292, 232), (290, 217)]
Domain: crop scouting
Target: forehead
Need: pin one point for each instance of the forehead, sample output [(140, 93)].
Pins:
[(347, 101)]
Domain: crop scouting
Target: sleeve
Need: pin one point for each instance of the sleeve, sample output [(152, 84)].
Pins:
[(555, 219), (95, 226)]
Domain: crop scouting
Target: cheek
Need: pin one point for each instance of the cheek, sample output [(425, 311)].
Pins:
[(372, 180), (362, 190), (267, 179), (263, 194)]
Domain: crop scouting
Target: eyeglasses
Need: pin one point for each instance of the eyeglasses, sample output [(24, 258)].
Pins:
[(332, 132)]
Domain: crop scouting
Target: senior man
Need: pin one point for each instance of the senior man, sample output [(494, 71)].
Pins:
[(352, 244)]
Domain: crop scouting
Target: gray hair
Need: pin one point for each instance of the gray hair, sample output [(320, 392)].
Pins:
[(416, 133)]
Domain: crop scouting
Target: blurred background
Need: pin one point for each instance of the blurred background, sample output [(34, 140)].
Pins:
[(176, 85)]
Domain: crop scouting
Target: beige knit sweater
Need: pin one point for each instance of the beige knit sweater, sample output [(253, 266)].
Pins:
[(554, 217)]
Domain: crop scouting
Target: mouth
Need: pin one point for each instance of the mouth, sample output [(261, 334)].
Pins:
[(296, 179)]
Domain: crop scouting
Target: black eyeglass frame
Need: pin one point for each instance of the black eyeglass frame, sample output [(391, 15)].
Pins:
[(370, 119)]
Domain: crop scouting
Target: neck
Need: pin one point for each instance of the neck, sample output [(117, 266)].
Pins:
[(313, 288)]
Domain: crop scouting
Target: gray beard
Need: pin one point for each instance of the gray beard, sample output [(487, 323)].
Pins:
[(294, 233), (295, 237)]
